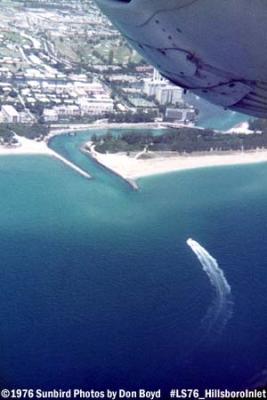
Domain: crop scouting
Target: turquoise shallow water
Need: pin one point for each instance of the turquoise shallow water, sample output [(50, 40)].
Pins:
[(98, 286)]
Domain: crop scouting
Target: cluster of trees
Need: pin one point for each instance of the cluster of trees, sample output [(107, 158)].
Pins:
[(131, 117), (179, 140), (33, 131), (6, 135)]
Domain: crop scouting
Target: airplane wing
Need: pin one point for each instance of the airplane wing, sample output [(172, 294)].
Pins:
[(215, 48)]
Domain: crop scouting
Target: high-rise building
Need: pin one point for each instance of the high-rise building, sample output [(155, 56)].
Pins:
[(157, 77), (163, 90)]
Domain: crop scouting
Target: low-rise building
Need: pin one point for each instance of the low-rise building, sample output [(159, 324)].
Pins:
[(68, 110), (10, 114), (180, 114), (97, 105), (50, 115)]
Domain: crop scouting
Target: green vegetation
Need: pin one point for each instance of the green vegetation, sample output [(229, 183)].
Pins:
[(34, 131), (97, 50), (31, 131), (65, 47), (6, 135), (131, 117), (179, 140)]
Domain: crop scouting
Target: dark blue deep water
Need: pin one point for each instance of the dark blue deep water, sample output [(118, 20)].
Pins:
[(98, 287)]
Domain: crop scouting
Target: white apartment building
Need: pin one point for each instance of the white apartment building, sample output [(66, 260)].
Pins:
[(157, 77), (162, 90), (68, 110), (97, 105), (169, 94), (50, 115), (10, 114), (151, 85)]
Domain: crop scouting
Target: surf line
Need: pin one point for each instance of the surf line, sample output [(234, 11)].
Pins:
[(221, 309)]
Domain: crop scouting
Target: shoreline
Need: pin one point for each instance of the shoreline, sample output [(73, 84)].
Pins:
[(31, 147), (131, 168), (93, 154), (61, 129), (68, 128)]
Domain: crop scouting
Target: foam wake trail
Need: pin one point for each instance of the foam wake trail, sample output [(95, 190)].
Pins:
[(221, 309)]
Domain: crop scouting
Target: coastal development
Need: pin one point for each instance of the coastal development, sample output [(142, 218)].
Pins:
[(65, 68), (63, 62), (116, 284)]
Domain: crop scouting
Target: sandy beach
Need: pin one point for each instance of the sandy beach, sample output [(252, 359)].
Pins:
[(243, 127), (132, 167), (31, 147), (135, 166)]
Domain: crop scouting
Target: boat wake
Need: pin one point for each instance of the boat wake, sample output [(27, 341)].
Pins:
[(221, 308)]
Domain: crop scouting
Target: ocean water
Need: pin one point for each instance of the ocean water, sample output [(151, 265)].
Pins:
[(99, 288), (215, 117), (221, 120)]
